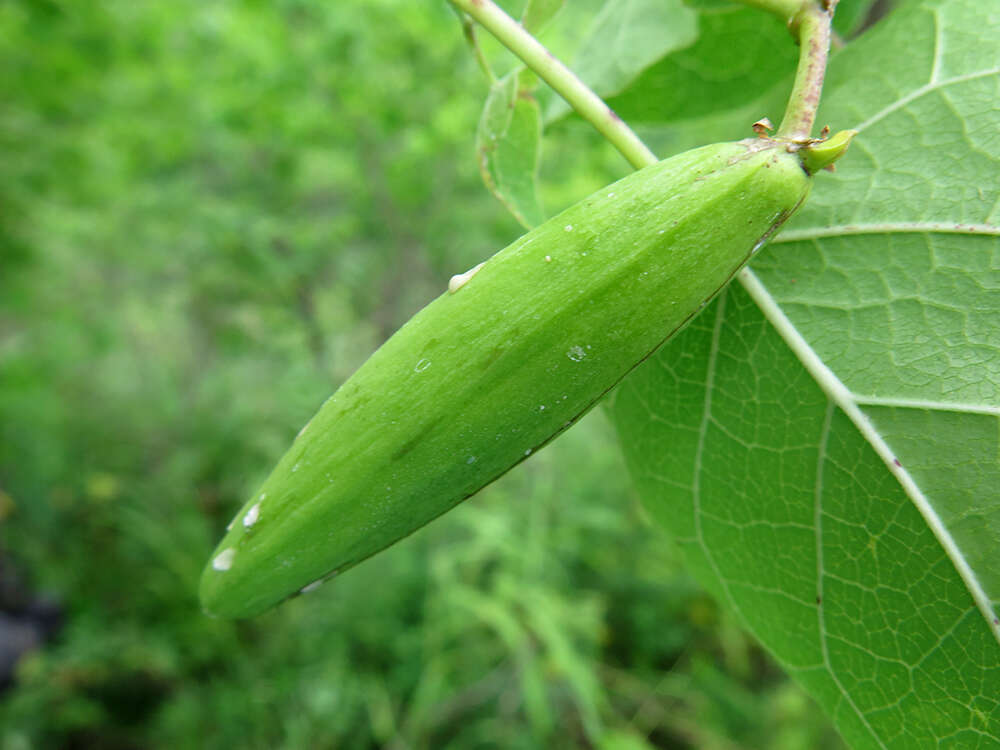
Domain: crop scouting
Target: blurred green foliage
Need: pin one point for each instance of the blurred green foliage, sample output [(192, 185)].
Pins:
[(210, 213)]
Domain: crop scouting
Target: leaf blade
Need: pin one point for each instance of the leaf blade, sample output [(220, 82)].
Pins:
[(625, 38), (508, 143), (883, 294)]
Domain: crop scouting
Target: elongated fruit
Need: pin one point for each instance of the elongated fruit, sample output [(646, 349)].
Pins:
[(496, 367)]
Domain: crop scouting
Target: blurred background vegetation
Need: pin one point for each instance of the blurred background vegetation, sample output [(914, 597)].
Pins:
[(211, 211)]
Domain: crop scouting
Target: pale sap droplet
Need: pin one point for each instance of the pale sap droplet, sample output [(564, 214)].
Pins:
[(662, 231), (459, 280), (576, 353), (541, 408), (303, 430), (252, 515), (229, 526), (224, 560), (611, 195), (528, 452), (295, 468), (569, 227), (422, 365), (548, 258), (312, 586), (470, 460)]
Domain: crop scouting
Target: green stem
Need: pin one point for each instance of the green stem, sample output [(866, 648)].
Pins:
[(811, 24), (576, 93)]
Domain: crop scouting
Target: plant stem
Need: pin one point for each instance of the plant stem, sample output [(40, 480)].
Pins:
[(565, 83), (811, 24)]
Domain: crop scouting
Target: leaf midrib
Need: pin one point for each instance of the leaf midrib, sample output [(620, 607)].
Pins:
[(843, 398)]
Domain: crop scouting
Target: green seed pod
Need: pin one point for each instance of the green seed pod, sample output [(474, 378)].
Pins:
[(500, 364)]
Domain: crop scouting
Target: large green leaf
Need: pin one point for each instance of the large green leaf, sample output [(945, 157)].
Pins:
[(740, 53), (675, 63), (629, 35), (625, 38), (824, 441), (508, 144)]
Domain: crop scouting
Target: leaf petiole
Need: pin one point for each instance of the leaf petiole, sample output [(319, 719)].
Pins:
[(811, 26)]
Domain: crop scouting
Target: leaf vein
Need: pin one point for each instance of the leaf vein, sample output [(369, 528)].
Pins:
[(820, 609), (926, 405), (706, 418), (927, 88), (914, 227), (844, 399)]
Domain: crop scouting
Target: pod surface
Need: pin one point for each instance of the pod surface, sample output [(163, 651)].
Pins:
[(482, 377)]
